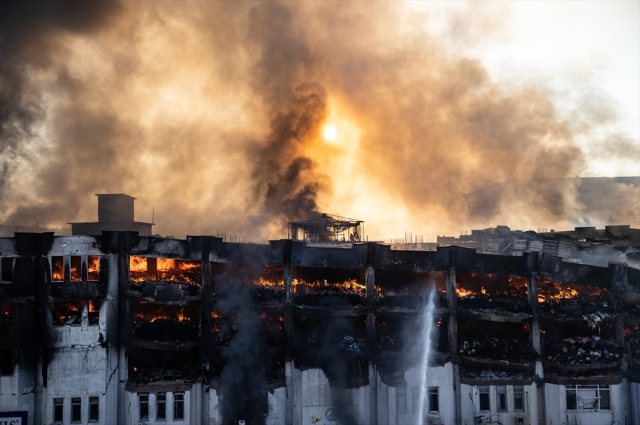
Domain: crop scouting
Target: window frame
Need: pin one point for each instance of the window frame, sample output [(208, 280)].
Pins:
[(518, 389), (141, 403), (501, 390), (89, 277), (178, 402), (482, 390), (94, 401), (58, 402), (430, 392), (75, 263), (164, 408), (76, 402), (576, 389)]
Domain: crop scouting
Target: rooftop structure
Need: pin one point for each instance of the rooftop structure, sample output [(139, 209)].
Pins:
[(327, 228), (115, 213)]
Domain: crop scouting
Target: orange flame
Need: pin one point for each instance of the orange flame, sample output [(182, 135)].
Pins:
[(550, 290), (351, 286), (93, 265)]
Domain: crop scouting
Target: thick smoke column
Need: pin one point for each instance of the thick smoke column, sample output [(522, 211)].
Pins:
[(211, 112)]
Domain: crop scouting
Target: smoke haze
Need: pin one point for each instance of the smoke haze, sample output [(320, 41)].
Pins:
[(213, 113)]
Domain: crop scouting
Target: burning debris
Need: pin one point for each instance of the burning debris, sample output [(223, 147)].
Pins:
[(583, 351), (164, 270), (165, 323)]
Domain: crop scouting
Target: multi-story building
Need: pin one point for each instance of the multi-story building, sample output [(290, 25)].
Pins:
[(128, 329)]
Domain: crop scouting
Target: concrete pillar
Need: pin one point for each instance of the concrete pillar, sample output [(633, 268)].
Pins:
[(152, 267), (288, 328), (373, 394), (532, 294), (452, 297), (290, 391), (205, 328)]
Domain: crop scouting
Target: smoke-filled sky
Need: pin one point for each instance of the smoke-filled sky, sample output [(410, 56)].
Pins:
[(234, 117)]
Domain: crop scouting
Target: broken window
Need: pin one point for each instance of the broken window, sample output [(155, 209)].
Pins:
[(161, 406), (94, 312), (433, 399), (588, 397), (518, 397), (178, 406), (485, 405), (93, 267), (94, 409), (7, 313), (76, 268), (144, 406), (6, 269), (501, 393), (76, 410), (401, 400), (67, 313), (57, 269), (58, 404)]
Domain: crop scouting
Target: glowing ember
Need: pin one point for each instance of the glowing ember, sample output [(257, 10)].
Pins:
[(164, 269), (351, 286), (57, 269), (149, 312), (549, 290)]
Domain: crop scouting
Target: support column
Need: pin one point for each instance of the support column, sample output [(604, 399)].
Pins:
[(206, 292), (532, 293), (288, 328), (452, 297), (370, 282)]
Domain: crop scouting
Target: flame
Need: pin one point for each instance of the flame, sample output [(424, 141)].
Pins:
[(57, 269), (65, 310), (137, 264), (168, 270), (351, 286), (628, 331), (93, 265), (7, 310), (463, 292), (515, 286), (549, 290), (147, 312)]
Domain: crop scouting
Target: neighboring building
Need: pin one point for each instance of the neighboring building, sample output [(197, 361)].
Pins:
[(127, 329), (7, 230), (116, 214)]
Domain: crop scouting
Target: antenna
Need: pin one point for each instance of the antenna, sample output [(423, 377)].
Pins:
[(153, 213)]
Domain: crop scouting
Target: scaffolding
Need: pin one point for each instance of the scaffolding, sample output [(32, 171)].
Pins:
[(327, 228)]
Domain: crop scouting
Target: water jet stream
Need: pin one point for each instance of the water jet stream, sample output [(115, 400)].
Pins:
[(425, 334)]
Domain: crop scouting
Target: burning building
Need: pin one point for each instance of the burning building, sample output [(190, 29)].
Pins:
[(122, 328)]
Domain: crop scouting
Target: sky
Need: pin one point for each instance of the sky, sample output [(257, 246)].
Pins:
[(235, 117)]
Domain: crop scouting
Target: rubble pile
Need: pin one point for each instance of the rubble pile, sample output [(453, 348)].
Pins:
[(484, 347), (188, 374), (585, 351), (592, 310), (504, 305), (164, 330)]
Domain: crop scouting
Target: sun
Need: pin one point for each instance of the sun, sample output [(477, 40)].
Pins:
[(330, 132)]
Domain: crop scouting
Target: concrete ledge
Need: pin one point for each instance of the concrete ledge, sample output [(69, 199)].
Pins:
[(166, 346), (325, 311)]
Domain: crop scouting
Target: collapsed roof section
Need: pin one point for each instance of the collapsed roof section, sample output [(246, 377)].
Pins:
[(327, 228)]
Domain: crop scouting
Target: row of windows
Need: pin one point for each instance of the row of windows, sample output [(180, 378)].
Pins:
[(75, 262), (401, 399), (517, 402), (161, 406), (76, 410)]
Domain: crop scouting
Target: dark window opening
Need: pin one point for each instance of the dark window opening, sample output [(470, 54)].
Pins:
[(518, 397), (57, 269), (7, 313), (93, 267), (433, 399), (144, 407), (178, 406), (571, 399), (94, 409), (501, 392), (605, 398), (484, 399), (6, 362), (7, 270), (76, 410), (66, 312), (58, 404), (76, 268), (161, 406)]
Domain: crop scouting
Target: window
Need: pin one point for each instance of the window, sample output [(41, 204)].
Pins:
[(57, 269), (76, 410), (6, 270), (401, 400), (415, 395), (518, 397), (588, 397), (6, 362), (93, 267), (94, 409), (161, 406), (433, 399), (58, 404), (144, 406), (484, 399), (501, 393), (178, 406), (76, 268)]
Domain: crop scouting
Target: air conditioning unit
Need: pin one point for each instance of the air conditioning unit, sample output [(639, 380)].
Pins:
[(434, 419), (521, 420), (480, 420)]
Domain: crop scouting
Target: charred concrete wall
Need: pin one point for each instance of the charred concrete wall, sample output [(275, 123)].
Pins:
[(141, 329)]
